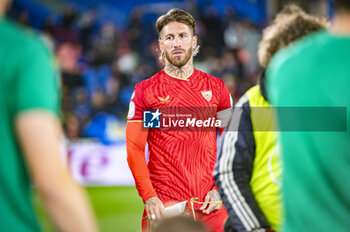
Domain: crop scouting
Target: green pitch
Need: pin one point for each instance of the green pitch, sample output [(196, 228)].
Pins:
[(116, 208)]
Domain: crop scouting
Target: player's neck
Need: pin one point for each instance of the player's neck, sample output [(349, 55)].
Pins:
[(341, 24), (182, 73)]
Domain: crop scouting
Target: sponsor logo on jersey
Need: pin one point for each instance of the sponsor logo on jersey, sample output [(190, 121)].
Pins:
[(151, 119), (155, 119), (191, 122)]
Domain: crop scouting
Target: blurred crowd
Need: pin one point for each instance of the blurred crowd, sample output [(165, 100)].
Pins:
[(100, 63)]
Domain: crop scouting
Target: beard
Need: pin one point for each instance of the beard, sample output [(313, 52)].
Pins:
[(179, 61)]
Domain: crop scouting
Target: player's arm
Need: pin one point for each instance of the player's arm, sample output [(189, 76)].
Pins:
[(136, 138), (234, 170), (224, 112), (35, 105), (66, 203)]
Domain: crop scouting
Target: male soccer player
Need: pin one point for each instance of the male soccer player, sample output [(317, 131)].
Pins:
[(248, 168), (315, 73), (180, 162), (29, 135)]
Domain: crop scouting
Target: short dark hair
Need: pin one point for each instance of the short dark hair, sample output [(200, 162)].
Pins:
[(176, 15), (341, 5)]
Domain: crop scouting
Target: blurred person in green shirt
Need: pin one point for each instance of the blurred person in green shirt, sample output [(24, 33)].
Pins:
[(248, 169), (312, 77), (30, 137)]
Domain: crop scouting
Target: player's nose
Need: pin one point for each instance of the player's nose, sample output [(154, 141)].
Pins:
[(177, 42)]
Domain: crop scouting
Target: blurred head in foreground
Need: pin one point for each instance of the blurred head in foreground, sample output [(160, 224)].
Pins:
[(179, 223), (289, 25)]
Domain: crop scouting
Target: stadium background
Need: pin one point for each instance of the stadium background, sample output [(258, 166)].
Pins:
[(103, 48)]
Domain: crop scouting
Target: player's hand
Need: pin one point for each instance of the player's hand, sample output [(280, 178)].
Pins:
[(212, 196), (154, 208)]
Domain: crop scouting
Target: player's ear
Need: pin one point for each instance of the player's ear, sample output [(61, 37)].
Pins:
[(194, 41), (161, 45)]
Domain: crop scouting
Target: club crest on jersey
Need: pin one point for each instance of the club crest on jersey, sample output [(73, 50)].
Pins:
[(207, 95), (166, 99)]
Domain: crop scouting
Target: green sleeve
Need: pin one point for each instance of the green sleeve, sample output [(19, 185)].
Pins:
[(36, 80)]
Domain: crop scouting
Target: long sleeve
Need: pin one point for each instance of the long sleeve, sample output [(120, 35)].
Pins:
[(234, 170), (136, 138)]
